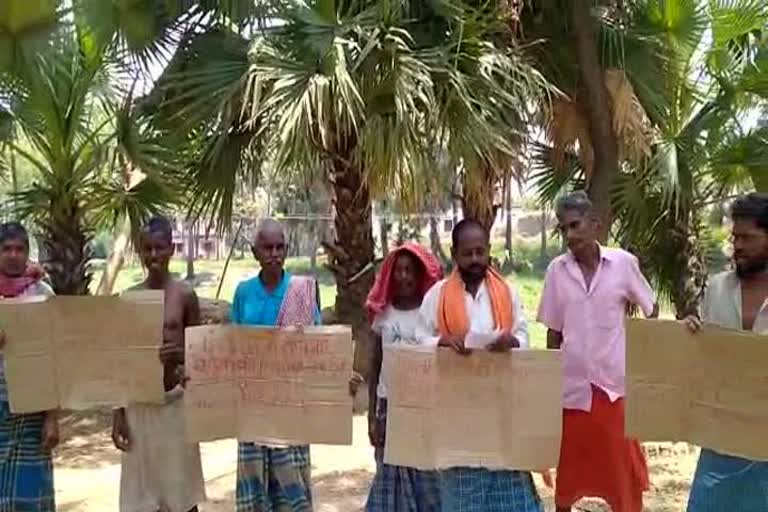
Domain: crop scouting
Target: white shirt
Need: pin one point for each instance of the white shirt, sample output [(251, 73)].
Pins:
[(479, 311), (397, 328)]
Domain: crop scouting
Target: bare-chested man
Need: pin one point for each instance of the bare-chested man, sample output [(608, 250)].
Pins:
[(161, 471)]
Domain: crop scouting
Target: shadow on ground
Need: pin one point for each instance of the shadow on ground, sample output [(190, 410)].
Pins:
[(344, 491), (86, 440)]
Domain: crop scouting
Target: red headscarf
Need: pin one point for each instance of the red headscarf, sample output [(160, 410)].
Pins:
[(381, 293), (15, 286)]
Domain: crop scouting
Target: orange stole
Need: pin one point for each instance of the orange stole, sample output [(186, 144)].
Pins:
[(452, 312)]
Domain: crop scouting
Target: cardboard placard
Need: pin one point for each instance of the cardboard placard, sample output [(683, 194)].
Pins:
[(491, 410), (708, 389), (83, 352), (269, 385)]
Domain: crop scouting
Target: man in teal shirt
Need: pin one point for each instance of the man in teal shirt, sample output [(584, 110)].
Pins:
[(274, 478)]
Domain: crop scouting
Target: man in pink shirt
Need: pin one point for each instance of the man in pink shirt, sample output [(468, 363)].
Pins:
[(587, 293)]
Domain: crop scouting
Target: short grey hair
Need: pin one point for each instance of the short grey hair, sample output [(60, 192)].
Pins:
[(268, 225), (574, 202)]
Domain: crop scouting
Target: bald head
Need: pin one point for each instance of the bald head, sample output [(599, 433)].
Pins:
[(269, 227), (269, 246)]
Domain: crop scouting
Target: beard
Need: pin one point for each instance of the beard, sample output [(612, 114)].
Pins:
[(751, 268), (473, 274)]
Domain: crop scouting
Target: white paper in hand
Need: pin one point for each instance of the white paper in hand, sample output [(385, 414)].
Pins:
[(480, 340)]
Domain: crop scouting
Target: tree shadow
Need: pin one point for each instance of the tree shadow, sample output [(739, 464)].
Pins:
[(86, 441)]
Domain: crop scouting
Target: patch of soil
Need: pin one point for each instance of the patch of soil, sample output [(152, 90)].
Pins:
[(88, 471)]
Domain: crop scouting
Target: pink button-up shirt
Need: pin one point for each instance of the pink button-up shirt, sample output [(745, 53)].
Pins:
[(592, 321)]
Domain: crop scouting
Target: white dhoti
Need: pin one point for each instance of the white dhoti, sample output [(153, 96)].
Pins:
[(161, 471)]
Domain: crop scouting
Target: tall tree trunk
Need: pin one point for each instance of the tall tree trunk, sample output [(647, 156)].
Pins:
[(351, 254), (312, 247), (116, 260), (691, 278), (435, 242), (508, 226), (66, 250), (14, 180), (478, 201), (454, 207), (598, 107), (544, 236), (384, 227), (191, 243)]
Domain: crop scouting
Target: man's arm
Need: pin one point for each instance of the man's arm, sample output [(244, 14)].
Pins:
[(375, 436), (551, 311), (191, 309), (554, 339), (426, 330), (640, 291)]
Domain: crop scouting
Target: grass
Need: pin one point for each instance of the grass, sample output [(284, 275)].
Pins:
[(208, 274)]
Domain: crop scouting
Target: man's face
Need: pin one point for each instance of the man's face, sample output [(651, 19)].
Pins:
[(155, 251), (269, 250), (14, 255), (578, 229), (471, 254), (406, 275), (750, 247)]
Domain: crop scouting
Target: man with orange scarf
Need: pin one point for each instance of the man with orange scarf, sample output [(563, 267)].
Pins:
[(476, 299)]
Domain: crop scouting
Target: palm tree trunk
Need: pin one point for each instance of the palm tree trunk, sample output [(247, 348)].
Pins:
[(14, 179), (351, 254), (116, 260), (65, 249), (604, 143), (478, 201), (508, 226), (691, 278), (384, 227), (434, 240), (543, 246), (312, 246)]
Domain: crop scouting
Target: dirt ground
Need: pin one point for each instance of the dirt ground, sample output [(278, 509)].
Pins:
[(88, 472)]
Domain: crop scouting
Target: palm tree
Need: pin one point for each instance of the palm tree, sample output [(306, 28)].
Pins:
[(81, 143), (364, 91), (706, 67), (580, 47)]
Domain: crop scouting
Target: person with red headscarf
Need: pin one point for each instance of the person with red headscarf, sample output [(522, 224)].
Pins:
[(393, 307)]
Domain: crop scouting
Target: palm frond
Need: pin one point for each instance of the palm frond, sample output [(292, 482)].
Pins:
[(550, 181), (742, 161)]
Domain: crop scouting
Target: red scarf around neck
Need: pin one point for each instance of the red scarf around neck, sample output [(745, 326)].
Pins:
[(15, 286)]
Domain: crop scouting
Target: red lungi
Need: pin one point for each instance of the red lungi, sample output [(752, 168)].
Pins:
[(596, 460)]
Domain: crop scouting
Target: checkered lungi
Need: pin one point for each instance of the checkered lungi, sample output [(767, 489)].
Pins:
[(273, 479), (26, 470), (400, 488), (482, 490)]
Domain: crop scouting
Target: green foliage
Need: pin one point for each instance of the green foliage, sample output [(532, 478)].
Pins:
[(375, 86), (695, 90), (84, 148)]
